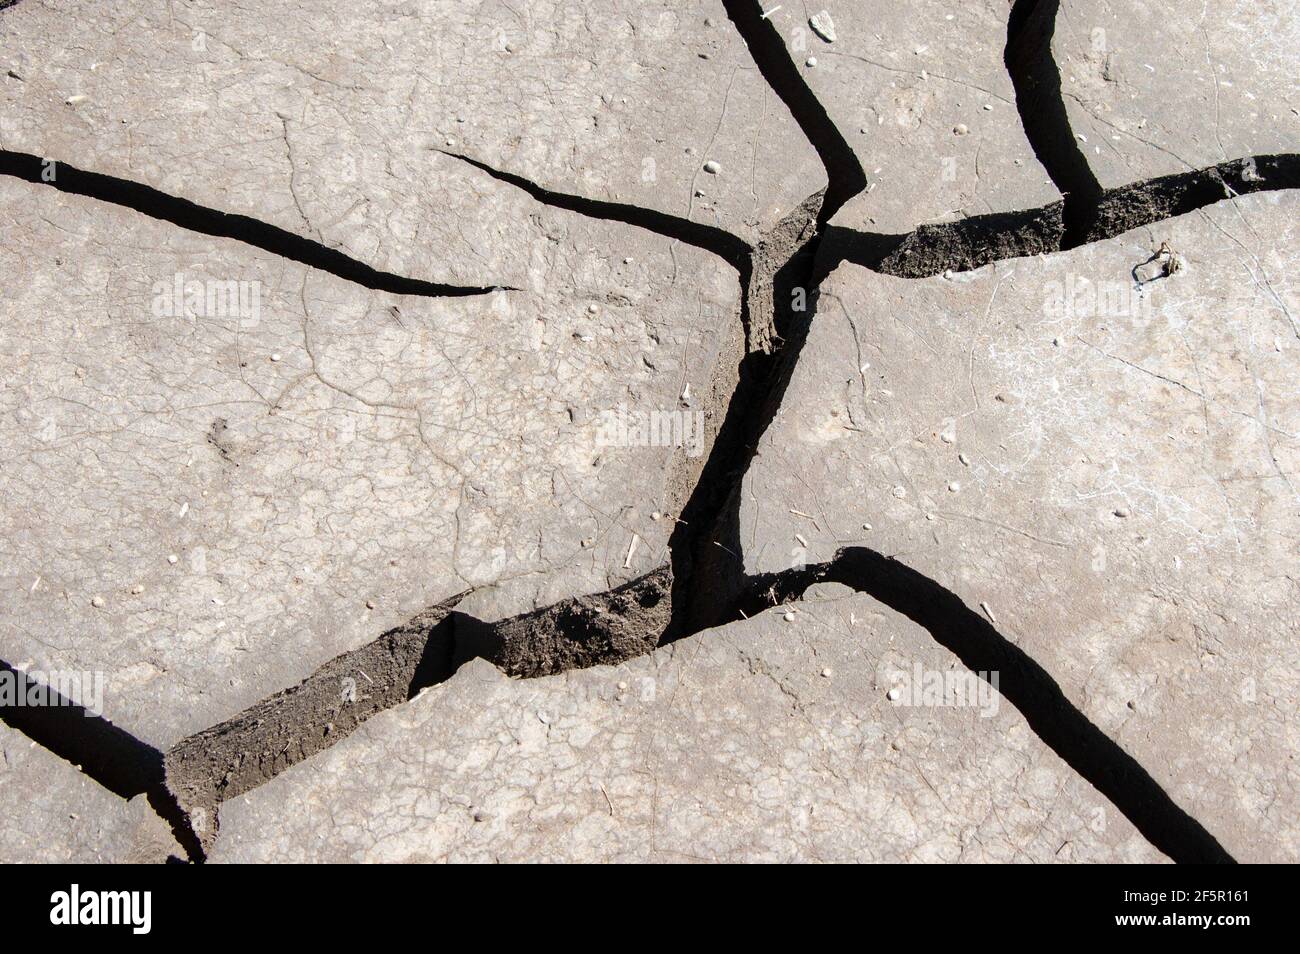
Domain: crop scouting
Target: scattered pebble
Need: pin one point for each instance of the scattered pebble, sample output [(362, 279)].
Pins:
[(656, 515), (275, 357), (988, 108), (827, 672), (97, 601), (954, 486), (622, 686), (172, 558), (370, 604), (137, 590), (965, 461), (893, 695), (948, 437), (900, 492), (789, 616), (628, 260), (712, 167), (1121, 512), (866, 526), (592, 308), (961, 129), (810, 62), (823, 26)]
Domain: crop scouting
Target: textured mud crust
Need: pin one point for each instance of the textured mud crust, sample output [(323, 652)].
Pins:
[(197, 218), (705, 584), (957, 246), (1029, 687), (585, 631), (229, 759), (260, 743), (1142, 203)]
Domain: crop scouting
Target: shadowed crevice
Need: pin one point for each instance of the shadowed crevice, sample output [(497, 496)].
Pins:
[(1037, 82), (844, 173), (1022, 681), (983, 239), (188, 215), (94, 746), (110, 755), (782, 298), (710, 238)]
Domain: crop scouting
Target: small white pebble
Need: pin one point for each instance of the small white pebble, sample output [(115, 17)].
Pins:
[(370, 604), (811, 62), (900, 492), (1121, 511), (988, 108), (827, 672), (172, 558), (789, 616), (275, 357), (929, 516), (137, 590), (97, 601), (961, 129), (948, 437), (866, 526), (656, 515), (622, 687), (592, 309), (628, 260), (712, 168), (893, 695), (954, 486)]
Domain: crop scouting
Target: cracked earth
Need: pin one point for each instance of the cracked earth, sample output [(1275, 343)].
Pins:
[(587, 432)]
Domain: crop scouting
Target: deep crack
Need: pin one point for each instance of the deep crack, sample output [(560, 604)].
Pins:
[(1037, 82), (1022, 681), (198, 218), (706, 584)]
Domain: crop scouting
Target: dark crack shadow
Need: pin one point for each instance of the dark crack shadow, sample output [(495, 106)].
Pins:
[(197, 218), (844, 173), (1037, 82), (984, 239), (705, 544), (104, 752), (710, 238), (1024, 683)]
